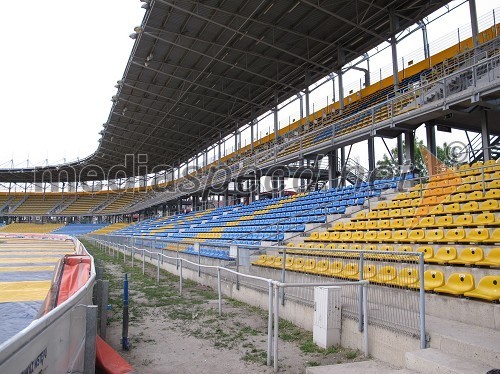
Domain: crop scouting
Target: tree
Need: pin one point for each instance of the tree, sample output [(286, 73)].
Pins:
[(388, 165)]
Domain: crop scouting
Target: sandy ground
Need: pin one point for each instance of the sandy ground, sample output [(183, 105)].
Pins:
[(169, 333)]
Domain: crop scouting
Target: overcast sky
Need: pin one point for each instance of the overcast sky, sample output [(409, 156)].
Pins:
[(60, 62)]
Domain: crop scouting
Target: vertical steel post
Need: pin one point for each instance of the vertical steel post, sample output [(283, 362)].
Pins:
[(270, 324), (90, 339), (276, 326), (360, 291), (219, 291), (365, 319), (422, 300), (125, 345), (180, 278)]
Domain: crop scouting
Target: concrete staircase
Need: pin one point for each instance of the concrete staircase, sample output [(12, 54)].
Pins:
[(456, 347)]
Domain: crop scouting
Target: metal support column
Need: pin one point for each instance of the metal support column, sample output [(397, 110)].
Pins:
[(275, 110), (394, 25), (333, 168), (371, 154), (410, 147), (308, 83), (423, 27), (430, 131), (400, 150), (473, 22), (485, 135), (342, 167)]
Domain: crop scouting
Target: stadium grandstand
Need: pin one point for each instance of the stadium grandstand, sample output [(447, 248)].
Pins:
[(182, 169)]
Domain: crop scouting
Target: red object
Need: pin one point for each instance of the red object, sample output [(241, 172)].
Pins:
[(76, 272), (108, 361)]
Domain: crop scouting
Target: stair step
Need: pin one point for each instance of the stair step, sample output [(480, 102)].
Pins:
[(434, 361), (471, 342)]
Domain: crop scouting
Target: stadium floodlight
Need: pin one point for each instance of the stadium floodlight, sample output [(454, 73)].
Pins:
[(137, 31), (114, 98), (146, 6)]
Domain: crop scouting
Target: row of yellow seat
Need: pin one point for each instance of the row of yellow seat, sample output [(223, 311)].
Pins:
[(457, 284), (457, 220), (419, 210), (439, 255), (453, 235)]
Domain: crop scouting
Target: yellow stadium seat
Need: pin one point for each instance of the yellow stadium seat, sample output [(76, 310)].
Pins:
[(405, 278), (452, 208), (397, 223), (488, 288), (495, 236), (301, 245), (401, 196), (369, 271), (394, 204), (314, 236), (485, 219), (416, 235), (459, 197), (370, 247), (400, 235), (427, 222), (464, 187), (478, 235), (322, 267), (349, 226), (468, 256), (477, 186), (412, 222), (324, 236), (343, 246), (492, 194), (338, 226), (350, 271), (422, 211), (404, 204), (355, 247), (269, 261), (383, 223), (310, 245), (319, 245), (309, 265), (278, 262), (335, 268), (437, 210), (387, 248), (381, 205), (289, 262), (383, 214), (408, 212), (475, 195), (330, 246), (346, 236), (357, 236), (433, 279), (372, 214), (334, 236), (431, 200), (298, 264), (360, 225), (427, 250), (491, 259), (414, 194), (434, 235), (384, 236), (454, 235), (457, 181), (396, 212), (260, 261), (489, 205), (405, 248), (457, 284), (290, 245), (471, 206), (463, 220), (443, 255), (444, 221), (494, 184), (431, 185), (385, 274), (370, 236), (361, 215), (371, 225)]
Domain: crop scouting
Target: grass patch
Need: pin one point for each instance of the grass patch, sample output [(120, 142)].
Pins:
[(258, 356), (351, 355)]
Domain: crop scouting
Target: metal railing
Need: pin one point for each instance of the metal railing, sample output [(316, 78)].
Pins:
[(398, 306), (273, 287)]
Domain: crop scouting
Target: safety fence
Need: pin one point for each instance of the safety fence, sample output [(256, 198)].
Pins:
[(397, 298)]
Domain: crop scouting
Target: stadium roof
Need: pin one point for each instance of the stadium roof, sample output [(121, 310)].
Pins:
[(200, 68)]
